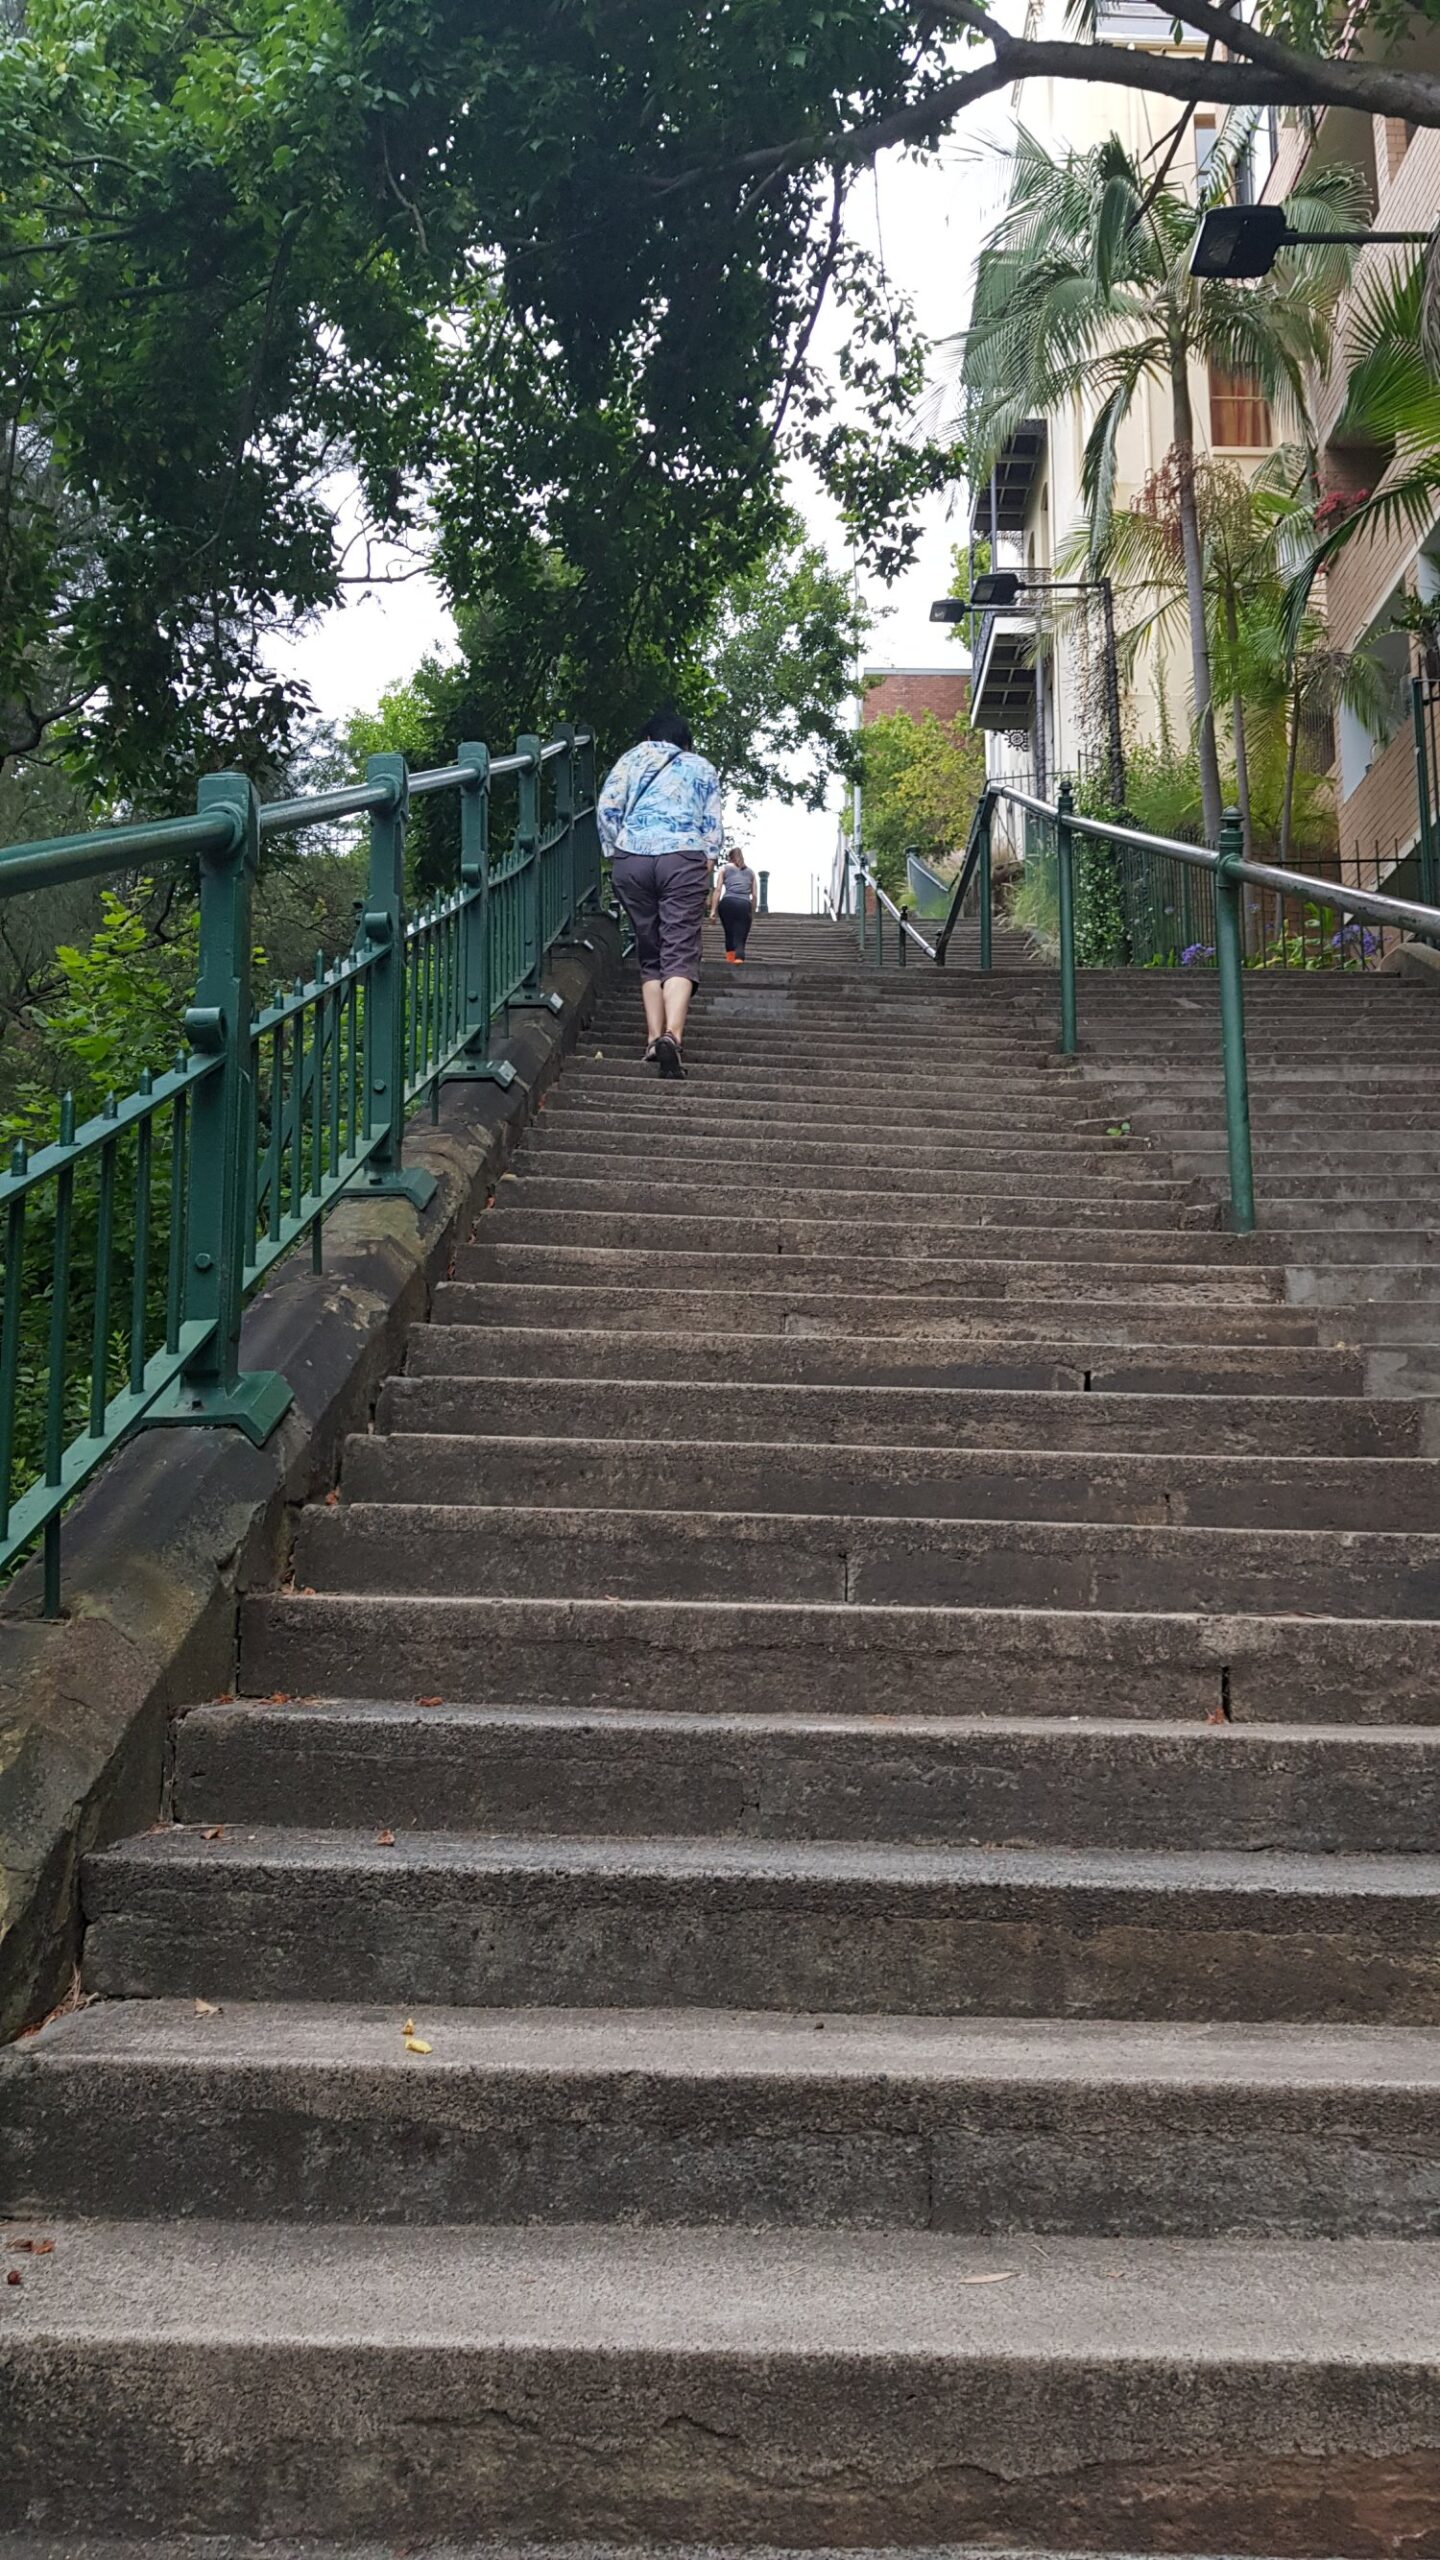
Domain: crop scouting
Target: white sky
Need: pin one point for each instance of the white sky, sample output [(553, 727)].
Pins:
[(930, 218)]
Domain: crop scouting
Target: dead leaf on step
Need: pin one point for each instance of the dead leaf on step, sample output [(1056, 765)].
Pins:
[(416, 2044), (1217, 1715), (429, 1702), (331, 1501), (278, 1698), (384, 1839), (215, 1832), (14, 2276), (1004, 2275), (32, 2248), (207, 2009)]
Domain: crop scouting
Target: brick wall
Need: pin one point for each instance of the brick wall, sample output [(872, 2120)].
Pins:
[(916, 690)]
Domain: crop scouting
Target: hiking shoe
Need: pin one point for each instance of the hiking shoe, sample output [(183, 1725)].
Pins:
[(667, 1057)]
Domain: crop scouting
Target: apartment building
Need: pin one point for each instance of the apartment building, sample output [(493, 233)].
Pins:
[(1038, 677), (1377, 801)]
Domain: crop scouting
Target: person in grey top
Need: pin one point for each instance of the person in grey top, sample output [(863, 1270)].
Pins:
[(733, 901)]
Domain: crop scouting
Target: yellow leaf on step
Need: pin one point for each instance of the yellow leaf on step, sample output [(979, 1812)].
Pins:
[(416, 2044)]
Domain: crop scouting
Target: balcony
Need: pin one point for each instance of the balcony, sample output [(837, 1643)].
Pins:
[(1001, 503), (1002, 689)]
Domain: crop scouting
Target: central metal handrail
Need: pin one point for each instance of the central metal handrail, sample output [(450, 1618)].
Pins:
[(865, 877), (1228, 875)]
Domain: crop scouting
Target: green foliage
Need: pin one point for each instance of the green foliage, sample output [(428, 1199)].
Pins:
[(1084, 291), (474, 262), (777, 674), (921, 781)]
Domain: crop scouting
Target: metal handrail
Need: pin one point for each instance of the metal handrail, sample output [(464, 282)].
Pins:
[(977, 852), (188, 1190), (1229, 872), (865, 873)]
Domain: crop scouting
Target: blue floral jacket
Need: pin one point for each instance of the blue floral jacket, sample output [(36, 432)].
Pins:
[(658, 799)]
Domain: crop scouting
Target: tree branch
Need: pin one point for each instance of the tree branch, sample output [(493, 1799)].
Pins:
[(1283, 79)]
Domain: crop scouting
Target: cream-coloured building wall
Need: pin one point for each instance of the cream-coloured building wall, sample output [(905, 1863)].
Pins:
[(1069, 115), (1376, 799)]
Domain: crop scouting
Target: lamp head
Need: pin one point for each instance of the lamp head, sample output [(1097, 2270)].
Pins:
[(1237, 242)]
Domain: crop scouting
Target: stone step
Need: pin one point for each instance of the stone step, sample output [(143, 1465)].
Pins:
[(1295, 1404), (1083, 1162), (562, 1384), (956, 1781), (558, 1177), (1173, 1341), (597, 1922), (946, 1233), (1057, 1100), (1390, 1301), (443, 1550), (652, 1288), (310, 2114), (629, 2387), (738, 1658), (646, 1462), (1328, 1213)]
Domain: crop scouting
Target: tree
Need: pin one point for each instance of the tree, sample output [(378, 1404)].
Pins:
[(1297, 54), (249, 245), (1085, 286), (921, 782), (777, 674)]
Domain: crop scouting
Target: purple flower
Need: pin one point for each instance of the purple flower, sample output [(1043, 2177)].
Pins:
[(1194, 951), (1356, 937)]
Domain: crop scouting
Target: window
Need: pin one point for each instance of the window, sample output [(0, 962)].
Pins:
[(1399, 134), (1206, 134), (1239, 411)]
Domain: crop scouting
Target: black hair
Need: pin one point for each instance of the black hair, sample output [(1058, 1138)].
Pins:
[(671, 729)]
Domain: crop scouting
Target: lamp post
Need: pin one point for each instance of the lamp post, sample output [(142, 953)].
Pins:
[(1002, 588), (1238, 242)]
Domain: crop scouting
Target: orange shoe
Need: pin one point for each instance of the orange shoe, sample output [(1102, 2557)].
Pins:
[(733, 957)]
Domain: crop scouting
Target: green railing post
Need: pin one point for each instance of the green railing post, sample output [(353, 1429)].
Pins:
[(587, 785), (527, 843), (1425, 799), (476, 1066), (1230, 963), (565, 801), (1065, 887), (222, 1137), (900, 939), (862, 918), (385, 988), (987, 911)]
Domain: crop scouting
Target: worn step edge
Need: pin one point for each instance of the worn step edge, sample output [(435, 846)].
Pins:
[(1021, 1781), (306, 2113)]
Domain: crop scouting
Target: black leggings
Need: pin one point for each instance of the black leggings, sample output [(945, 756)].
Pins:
[(736, 915)]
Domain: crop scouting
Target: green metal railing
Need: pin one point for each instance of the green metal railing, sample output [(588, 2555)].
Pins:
[(1158, 890), (139, 1234), (871, 906)]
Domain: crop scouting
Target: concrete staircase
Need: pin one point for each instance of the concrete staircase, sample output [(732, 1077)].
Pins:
[(872, 1703)]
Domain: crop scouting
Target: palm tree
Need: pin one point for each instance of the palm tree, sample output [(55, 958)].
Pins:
[(1085, 286), (1393, 403), (1274, 673)]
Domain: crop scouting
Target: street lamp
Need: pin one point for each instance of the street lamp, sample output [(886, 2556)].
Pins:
[(1000, 590), (1237, 242)]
